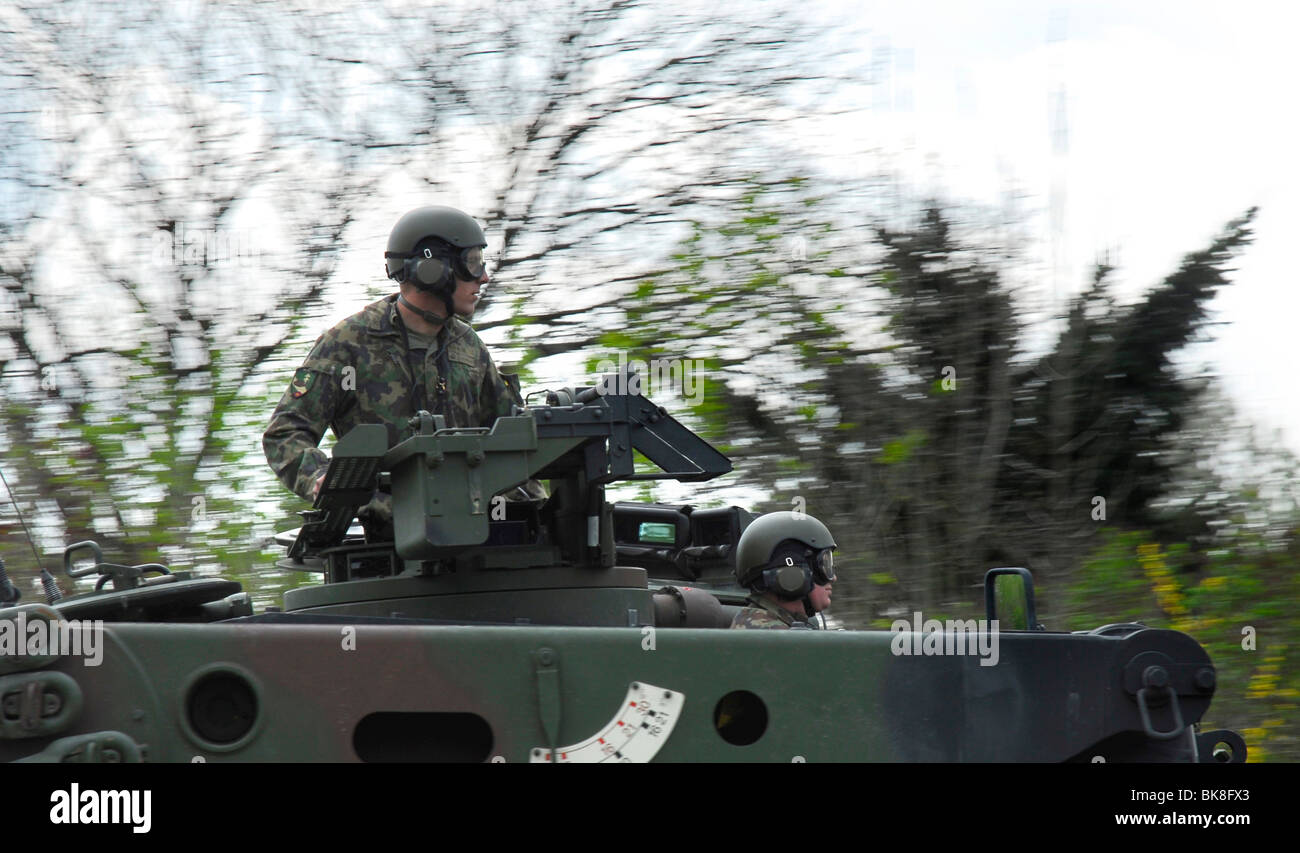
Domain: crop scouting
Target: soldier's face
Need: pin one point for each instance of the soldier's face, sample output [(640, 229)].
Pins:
[(466, 296), (820, 597)]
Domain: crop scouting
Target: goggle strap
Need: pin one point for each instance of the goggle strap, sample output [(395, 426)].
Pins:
[(812, 563)]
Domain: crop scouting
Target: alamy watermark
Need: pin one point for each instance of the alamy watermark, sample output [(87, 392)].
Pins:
[(23, 637), (183, 246), (641, 377), (976, 637), (131, 807)]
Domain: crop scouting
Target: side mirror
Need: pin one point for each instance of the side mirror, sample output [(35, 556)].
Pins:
[(1009, 598)]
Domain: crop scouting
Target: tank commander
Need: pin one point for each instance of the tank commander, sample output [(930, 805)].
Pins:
[(785, 560), (407, 352)]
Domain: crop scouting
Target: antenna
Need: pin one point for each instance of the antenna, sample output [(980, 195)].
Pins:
[(1057, 32)]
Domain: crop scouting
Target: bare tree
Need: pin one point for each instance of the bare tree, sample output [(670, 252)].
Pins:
[(181, 196), (170, 238)]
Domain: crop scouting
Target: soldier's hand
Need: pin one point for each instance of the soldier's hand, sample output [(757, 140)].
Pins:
[(315, 489)]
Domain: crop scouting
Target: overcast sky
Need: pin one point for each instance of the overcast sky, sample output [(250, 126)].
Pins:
[(1150, 124)]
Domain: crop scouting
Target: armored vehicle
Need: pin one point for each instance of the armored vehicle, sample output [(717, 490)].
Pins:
[(560, 630)]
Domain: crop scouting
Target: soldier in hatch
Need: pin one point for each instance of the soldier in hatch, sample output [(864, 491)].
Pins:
[(408, 352), (785, 559)]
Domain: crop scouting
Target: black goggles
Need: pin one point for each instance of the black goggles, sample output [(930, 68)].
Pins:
[(822, 564), (468, 264)]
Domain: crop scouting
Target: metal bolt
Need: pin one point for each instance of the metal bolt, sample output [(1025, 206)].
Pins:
[(546, 657), (1155, 676), (1205, 678), (137, 715), (52, 704), (110, 756)]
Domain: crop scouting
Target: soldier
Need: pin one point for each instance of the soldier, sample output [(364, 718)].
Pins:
[(785, 560), (407, 352)]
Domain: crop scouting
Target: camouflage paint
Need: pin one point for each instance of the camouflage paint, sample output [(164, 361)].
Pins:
[(827, 695)]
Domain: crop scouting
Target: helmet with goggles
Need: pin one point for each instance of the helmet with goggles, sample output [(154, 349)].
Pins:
[(433, 246), (785, 553)]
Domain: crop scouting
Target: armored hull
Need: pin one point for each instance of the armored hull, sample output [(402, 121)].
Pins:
[(413, 692), (564, 630)]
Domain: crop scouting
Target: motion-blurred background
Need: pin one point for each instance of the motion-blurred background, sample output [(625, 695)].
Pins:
[(968, 284)]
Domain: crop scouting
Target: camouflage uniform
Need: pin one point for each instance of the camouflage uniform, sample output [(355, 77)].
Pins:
[(361, 371), (762, 613)]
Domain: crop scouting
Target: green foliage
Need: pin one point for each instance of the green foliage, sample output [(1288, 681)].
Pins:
[(614, 340), (1111, 582), (900, 451)]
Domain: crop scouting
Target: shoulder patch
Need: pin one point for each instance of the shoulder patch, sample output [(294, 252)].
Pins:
[(302, 382)]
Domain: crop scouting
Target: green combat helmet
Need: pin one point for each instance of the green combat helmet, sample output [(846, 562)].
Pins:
[(785, 553), (433, 246)]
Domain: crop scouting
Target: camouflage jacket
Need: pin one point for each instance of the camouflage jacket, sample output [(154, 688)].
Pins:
[(762, 613), (360, 372)]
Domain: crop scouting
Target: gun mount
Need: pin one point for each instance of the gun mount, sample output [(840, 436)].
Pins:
[(460, 549)]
